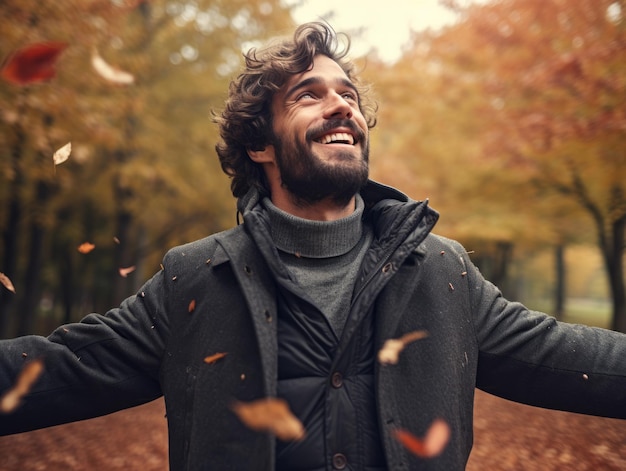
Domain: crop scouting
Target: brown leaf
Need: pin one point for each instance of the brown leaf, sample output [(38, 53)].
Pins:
[(109, 72), (125, 271), (25, 380), (392, 347), (412, 336), (270, 415), (192, 305), (7, 282), (62, 154), (434, 441), (33, 63), (213, 358), (86, 247)]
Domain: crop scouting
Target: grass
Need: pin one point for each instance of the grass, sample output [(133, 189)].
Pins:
[(593, 312), (588, 311)]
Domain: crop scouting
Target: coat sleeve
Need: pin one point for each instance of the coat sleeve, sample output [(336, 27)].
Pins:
[(94, 367), (530, 357)]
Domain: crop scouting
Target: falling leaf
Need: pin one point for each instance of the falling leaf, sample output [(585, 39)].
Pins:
[(125, 271), (62, 154), (109, 72), (434, 441), (116, 240), (7, 282), (192, 305), (391, 349), (213, 358), (27, 377), (86, 247), (33, 63), (270, 415)]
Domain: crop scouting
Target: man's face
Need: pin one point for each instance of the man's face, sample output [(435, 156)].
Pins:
[(320, 136)]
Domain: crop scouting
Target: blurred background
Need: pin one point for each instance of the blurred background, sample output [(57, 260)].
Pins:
[(508, 115)]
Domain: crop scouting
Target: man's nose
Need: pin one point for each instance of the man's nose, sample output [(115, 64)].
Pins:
[(337, 107)]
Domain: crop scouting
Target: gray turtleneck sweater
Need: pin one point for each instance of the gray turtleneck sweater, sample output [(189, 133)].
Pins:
[(323, 257)]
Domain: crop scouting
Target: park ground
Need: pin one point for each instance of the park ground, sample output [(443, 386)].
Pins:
[(508, 436)]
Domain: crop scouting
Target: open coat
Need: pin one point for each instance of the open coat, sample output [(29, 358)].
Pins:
[(215, 295)]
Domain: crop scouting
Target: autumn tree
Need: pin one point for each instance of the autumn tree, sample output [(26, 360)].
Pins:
[(554, 74), (426, 143), (36, 118), (446, 133), (133, 90)]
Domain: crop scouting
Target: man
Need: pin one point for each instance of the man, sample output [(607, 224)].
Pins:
[(298, 299)]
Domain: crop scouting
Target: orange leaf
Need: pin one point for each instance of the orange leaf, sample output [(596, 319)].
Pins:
[(86, 247), (433, 444), (392, 347), (7, 282), (270, 415), (213, 358), (27, 377), (125, 271), (33, 63), (192, 305)]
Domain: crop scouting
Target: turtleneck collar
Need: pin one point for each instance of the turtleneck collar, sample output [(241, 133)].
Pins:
[(314, 239)]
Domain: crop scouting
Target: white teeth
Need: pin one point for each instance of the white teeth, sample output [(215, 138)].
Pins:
[(342, 137)]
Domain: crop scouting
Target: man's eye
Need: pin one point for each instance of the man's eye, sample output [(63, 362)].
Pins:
[(349, 96), (305, 96)]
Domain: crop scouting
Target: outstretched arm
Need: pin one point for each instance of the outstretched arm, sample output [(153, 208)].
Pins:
[(97, 366), (529, 357)]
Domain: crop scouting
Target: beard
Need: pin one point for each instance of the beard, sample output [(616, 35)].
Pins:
[(311, 179)]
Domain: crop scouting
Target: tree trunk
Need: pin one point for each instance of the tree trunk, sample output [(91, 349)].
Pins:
[(66, 283), (124, 194), (11, 233), (29, 297), (614, 259), (559, 291), (611, 227), (502, 262), (124, 220)]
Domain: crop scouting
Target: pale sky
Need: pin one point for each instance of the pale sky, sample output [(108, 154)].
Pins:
[(385, 24)]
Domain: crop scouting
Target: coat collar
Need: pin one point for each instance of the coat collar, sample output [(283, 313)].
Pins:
[(372, 193)]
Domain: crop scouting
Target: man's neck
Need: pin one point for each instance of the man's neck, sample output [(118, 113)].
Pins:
[(324, 210)]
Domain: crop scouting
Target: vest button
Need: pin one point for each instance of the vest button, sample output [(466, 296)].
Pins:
[(339, 461), (336, 380)]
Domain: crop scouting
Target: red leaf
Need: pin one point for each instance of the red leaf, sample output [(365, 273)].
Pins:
[(434, 441), (33, 63)]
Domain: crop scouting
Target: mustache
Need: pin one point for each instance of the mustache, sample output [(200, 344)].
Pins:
[(331, 124)]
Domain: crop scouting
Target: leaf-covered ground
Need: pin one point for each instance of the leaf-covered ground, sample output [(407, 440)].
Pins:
[(508, 436)]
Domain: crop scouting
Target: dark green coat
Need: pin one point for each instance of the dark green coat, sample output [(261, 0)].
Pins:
[(216, 295)]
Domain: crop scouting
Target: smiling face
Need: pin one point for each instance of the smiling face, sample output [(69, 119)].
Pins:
[(319, 148)]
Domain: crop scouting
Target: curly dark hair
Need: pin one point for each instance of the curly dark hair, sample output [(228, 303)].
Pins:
[(245, 122)]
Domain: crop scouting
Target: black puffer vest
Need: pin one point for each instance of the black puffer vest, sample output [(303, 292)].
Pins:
[(329, 381)]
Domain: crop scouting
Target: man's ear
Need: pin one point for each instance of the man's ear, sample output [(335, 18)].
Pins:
[(263, 155)]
